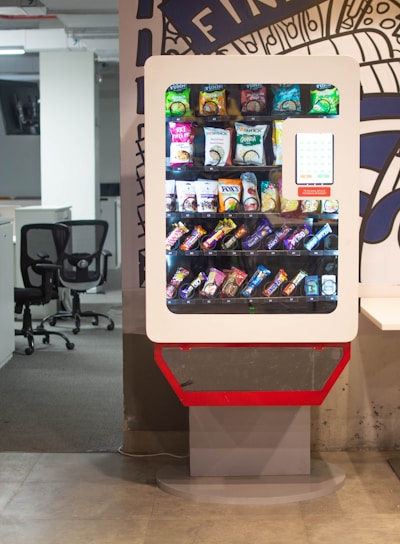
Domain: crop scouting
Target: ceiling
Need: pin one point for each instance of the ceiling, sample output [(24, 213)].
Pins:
[(82, 24)]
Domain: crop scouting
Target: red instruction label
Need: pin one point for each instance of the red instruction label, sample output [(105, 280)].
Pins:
[(320, 192)]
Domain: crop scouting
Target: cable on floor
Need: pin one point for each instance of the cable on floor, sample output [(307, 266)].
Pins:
[(122, 452)]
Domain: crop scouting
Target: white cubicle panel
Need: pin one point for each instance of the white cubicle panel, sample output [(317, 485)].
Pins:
[(7, 339)]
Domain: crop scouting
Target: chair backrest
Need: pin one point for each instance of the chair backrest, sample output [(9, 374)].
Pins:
[(82, 258), (40, 243)]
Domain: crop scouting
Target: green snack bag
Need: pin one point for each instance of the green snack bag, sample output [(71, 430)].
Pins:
[(177, 101), (324, 99)]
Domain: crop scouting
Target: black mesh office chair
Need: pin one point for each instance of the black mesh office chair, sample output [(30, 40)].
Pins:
[(83, 267), (41, 247)]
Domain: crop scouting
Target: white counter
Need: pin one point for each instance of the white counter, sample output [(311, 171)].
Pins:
[(384, 312)]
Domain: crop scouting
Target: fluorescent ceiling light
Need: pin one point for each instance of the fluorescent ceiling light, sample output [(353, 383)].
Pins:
[(12, 51)]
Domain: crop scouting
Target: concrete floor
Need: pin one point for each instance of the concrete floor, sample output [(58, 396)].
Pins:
[(109, 498)]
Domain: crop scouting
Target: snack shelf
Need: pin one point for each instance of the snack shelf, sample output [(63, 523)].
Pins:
[(204, 120), (280, 300), (252, 253), (251, 215), (197, 167)]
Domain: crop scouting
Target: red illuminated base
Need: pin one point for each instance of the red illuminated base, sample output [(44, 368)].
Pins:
[(252, 398)]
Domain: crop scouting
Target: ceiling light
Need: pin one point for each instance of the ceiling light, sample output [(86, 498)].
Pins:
[(12, 51)]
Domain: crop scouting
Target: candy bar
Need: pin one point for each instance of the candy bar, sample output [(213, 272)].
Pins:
[(276, 238), (320, 235), (176, 280), (222, 228), (293, 283), (237, 235), (256, 279), (280, 278), (214, 281), (232, 282), (263, 229), (292, 241), (176, 233), (193, 238), (188, 290)]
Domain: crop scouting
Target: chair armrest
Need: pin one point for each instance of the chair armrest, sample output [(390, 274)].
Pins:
[(105, 253), (49, 279)]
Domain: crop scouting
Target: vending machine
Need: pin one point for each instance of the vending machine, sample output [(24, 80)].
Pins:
[(252, 191)]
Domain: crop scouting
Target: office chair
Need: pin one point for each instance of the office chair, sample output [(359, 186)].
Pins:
[(41, 248), (83, 267)]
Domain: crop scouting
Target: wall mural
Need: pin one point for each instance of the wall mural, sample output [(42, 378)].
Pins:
[(368, 30)]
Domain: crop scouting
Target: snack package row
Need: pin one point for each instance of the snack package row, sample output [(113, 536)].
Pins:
[(212, 99), (246, 140), (243, 194), (227, 235), (230, 283)]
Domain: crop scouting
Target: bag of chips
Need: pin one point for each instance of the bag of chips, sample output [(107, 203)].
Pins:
[(170, 196), (230, 193), (253, 99), (181, 147), (177, 101), (186, 195), (286, 98), (212, 100), (270, 201), (277, 132), (207, 195), (250, 144), (324, 99), (250, 198), (217, 146)]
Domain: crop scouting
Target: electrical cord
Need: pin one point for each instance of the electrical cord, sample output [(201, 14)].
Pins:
[(122, 452)]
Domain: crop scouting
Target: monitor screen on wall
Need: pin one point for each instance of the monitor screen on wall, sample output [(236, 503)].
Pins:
[(20, 107)]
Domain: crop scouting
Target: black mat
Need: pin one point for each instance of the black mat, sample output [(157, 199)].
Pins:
[(57, 400)]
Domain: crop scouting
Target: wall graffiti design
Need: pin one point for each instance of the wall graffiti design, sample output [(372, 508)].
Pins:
[(368, 30)]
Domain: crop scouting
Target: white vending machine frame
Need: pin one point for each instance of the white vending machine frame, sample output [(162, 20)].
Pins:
[(340, 325)]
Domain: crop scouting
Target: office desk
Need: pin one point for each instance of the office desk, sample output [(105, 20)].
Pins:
[(384, 312)]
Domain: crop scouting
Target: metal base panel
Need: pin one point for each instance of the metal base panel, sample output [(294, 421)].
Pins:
[(323, 479)]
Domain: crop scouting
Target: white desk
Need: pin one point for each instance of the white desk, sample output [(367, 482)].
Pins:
[(383, 312)]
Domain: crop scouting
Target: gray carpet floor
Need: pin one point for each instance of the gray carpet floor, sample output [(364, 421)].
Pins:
[(59, 400)]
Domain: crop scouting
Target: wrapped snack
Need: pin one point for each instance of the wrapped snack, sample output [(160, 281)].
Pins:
[(229, 194), (270, 201), (250, 144), (329, 206), (250, 198), (262, 230), (212, 100), (277, 131), (277, 237), (170, 195), (179, 229), (177, 100), (176, 280), (286, 98), (223, 227), (214, 281), (231, 241), (232, 282), (186, 195), (256, 279), (294, 239), (181, 147), (328, 284), (207, 195), (289, 207), (217, 146), (253, 98), (309, 206), (324, 99), (193, 238), (318, 236), (188, 291), (293, 283), (280, 278), (311, 286)]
